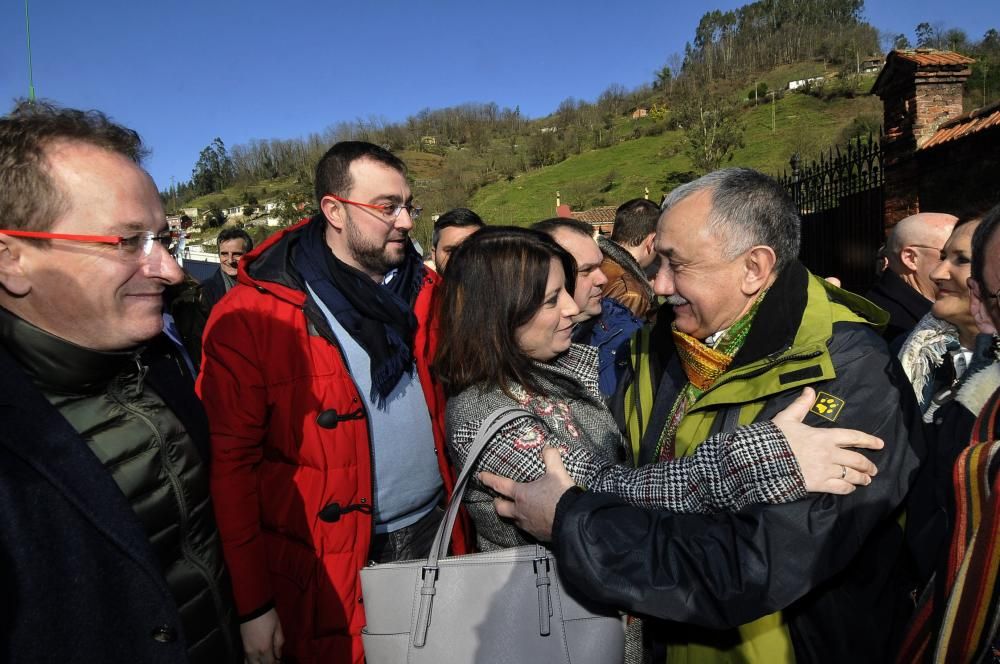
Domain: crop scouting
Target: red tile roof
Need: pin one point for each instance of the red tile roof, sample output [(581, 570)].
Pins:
[(965, 125), (901, 65), (598, 215), (929, 57)]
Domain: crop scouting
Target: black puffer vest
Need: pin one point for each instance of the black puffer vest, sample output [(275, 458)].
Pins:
[(153, 459)]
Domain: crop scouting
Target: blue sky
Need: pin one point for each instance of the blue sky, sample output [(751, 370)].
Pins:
[(184, 71)]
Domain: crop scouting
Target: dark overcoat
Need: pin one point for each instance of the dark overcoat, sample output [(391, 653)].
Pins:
[(79, 581)]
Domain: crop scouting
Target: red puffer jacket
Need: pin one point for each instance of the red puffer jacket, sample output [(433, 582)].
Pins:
[(270, 367)]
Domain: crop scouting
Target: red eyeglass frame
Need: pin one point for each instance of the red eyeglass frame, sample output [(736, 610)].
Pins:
[(409, 208), (115, 240), (43, 235)]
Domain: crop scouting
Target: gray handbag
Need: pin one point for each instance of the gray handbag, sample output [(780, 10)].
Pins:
[(505, 606)]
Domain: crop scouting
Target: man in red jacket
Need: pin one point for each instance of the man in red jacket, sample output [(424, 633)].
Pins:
[(327, 427)]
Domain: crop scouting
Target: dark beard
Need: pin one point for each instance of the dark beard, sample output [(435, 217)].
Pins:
[(375, 260), (372, 258)]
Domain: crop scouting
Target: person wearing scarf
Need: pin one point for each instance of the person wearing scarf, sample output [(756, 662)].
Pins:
[(328, 445), (750, 328), (957, 618), (378, 317)]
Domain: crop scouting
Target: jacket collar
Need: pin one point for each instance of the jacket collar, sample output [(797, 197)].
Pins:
[(55, 364), (627, 262), (796, 357), (892, 287), (778, 318), (270, 265)]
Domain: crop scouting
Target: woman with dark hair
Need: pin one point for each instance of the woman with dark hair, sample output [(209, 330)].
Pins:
[(505, 341), (946, 341)]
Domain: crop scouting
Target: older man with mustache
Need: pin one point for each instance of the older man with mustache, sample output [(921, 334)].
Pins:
[(818, 580)]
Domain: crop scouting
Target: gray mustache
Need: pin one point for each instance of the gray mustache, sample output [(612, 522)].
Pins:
[(675, 300)]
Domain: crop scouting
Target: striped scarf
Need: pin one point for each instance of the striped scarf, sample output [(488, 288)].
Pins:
[(959, 622), (703, 365)]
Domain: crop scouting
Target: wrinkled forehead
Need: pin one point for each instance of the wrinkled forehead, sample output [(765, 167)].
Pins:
[(372, 179), (233, 245), (583, 248), (685, 230), (104, 186)]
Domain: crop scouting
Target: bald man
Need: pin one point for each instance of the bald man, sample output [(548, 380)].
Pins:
[(905, 289)]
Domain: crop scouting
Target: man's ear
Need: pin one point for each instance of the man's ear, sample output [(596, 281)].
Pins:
[(908, 257), (333, 210), (758, 266), (979, 308), (647, 244), (12, 275)]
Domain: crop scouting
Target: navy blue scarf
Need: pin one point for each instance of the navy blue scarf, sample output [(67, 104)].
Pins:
[(379, 318)]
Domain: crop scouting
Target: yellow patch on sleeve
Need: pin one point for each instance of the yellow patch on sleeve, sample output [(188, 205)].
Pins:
[(827, 406)]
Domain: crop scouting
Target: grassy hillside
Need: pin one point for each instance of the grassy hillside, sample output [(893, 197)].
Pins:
[(264, 190), (421, 166), (609, 176)]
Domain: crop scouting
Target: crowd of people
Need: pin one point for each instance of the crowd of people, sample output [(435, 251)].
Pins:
[(752, 463)]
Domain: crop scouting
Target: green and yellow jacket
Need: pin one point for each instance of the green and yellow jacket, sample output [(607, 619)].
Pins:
[(817, 580)]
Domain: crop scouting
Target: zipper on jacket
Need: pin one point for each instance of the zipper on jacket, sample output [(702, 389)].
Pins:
[(140, 374), (767, 367), (189, 555)]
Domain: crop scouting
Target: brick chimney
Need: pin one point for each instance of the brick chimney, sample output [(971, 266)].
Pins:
[(920, 90)]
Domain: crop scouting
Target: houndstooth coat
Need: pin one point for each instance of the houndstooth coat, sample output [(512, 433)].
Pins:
[(729, 471)]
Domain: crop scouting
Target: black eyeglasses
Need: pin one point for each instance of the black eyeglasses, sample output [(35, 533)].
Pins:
[(133, 245)]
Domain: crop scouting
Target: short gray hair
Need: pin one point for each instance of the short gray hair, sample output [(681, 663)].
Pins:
[(748, 209)]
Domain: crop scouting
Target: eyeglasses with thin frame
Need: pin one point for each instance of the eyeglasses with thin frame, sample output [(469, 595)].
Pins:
[(926, 246), (133, 245), (389, 210)]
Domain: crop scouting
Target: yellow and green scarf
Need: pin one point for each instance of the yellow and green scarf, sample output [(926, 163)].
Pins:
[(703, 365)]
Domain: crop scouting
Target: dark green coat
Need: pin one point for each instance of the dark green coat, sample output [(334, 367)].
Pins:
[(119, 566)]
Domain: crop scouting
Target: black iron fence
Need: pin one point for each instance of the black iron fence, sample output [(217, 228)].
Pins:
[(840, 199)]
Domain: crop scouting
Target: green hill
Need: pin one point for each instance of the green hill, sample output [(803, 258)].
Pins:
[(802, 123)]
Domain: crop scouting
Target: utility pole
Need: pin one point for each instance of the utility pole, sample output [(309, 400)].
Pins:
[(27, 30), (986, 71), (774, 96)]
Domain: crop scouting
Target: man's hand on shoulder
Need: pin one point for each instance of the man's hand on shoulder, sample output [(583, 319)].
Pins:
[(826, 466), (532, 505)]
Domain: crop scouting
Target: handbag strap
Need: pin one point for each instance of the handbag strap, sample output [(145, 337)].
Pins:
[(487, 430), (439, 548)]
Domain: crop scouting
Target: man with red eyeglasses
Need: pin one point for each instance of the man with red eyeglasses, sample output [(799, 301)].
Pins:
[(108, 545), (327, 426)]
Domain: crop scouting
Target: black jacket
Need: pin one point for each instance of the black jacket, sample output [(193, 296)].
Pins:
[(931, 504), (905, 305), (212, 290), (79, 581), (830, 563)]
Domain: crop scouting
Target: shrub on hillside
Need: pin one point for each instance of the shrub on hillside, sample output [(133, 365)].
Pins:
[(861, 127)]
